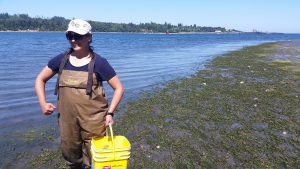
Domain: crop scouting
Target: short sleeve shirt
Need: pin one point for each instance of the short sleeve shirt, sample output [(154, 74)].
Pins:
[(103, 70)]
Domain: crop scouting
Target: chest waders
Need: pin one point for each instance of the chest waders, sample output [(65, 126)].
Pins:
[(82, 105)]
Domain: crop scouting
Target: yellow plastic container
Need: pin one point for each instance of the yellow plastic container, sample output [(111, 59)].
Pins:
[(110, 152)]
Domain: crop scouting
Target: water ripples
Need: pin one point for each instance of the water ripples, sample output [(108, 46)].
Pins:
[(141, 61)]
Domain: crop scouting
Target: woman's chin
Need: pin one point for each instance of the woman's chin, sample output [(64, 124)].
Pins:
[(76, 48)]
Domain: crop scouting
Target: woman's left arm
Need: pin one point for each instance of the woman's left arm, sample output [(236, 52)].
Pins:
[(117, 86)]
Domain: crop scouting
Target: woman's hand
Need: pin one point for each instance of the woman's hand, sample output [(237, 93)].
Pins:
[(109, 120), (48, 108)]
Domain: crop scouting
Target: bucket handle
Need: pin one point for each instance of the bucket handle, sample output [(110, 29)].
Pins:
[(112, 136), (111, 131)]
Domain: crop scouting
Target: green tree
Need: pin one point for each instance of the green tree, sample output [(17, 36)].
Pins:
[(24, 22)]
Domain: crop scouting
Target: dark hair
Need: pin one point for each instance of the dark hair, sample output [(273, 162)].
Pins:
[(91, 48), (70, 51)]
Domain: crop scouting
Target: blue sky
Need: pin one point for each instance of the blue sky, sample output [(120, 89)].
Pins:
[(244, 15)]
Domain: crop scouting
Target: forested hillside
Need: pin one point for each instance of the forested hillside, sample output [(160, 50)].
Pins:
[(23, 22)]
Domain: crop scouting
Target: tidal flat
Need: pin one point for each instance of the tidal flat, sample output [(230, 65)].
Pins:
[(241, 111)]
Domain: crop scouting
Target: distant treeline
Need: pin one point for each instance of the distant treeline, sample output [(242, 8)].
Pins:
[(22, 22)]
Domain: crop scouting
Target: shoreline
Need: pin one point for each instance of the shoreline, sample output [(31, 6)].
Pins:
[(184, 125), (167, 33)]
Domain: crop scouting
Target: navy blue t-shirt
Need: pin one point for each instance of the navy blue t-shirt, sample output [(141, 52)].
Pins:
[(103, 70)]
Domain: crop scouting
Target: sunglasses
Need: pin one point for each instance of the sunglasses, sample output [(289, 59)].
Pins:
[(75, 36)]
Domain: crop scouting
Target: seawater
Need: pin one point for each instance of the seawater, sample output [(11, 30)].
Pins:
[(141, 61)]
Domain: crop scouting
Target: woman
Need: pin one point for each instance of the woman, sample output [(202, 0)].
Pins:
[(82, 104)]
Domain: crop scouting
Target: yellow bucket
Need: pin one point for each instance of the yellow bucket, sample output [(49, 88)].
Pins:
[(110, 152)]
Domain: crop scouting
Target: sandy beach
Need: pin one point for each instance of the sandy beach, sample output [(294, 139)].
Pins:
[(241, 111)]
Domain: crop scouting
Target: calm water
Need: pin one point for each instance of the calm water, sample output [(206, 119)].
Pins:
[(141, 61)]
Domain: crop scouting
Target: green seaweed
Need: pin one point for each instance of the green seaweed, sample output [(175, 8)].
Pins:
[(51, 159)]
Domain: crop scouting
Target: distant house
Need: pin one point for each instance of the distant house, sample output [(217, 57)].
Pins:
[(218, 31)]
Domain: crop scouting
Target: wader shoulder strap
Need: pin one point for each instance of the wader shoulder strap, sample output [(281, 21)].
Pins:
[(90, 76), (61, 67)]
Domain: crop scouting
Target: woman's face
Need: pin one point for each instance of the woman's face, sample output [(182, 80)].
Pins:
[(79, 42)]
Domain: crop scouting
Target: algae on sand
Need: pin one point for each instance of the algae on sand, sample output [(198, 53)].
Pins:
[(240, 112)]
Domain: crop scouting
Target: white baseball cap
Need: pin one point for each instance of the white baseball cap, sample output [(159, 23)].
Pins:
[(79, 26)]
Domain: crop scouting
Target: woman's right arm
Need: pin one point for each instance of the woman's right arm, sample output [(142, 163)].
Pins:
[(41, 80)]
